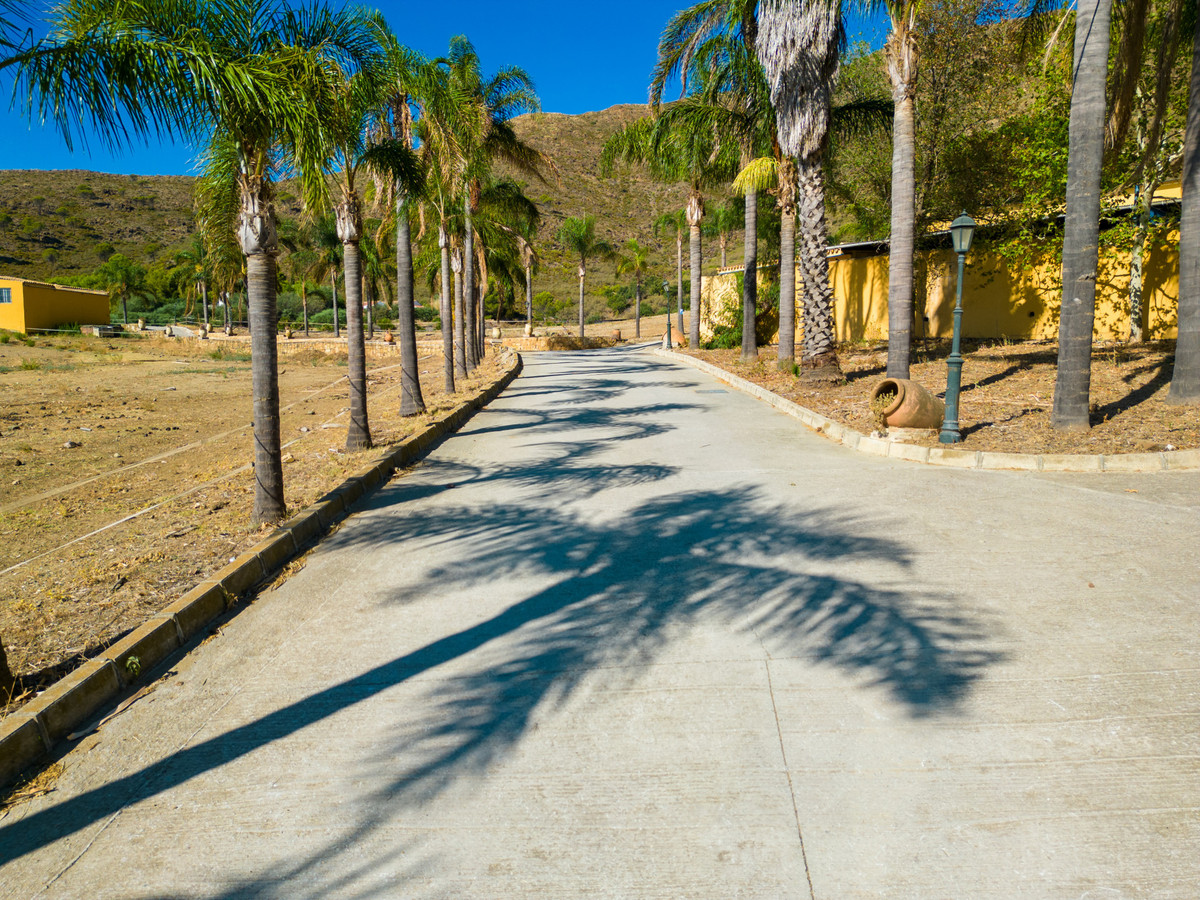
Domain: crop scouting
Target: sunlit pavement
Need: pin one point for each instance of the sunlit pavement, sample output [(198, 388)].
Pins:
[(633, 634)]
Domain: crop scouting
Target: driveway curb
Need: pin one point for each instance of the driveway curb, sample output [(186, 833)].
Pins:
[(31, 734), (1174, 460)]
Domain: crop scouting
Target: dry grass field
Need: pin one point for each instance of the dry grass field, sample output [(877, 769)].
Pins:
[(125, 478)]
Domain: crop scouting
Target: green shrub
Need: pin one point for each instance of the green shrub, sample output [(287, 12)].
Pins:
[(325, 317), (29, 225), (425, 314)]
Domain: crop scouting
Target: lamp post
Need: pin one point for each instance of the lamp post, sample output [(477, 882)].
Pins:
[(962, 232), (668, 299)]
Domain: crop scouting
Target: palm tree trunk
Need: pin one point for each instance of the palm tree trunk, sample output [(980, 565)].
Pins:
[(787, 289), (460, 334), (337, 331), (1081, 230), (469, 323), (304, 304), (124, 309), (678, 281), (582, 272), (358, 435), (694, 293), (268, 464), (204, 300), (412, 401), (750, 278), (447, 313), (1185, 377), (818, 356), (637, 309), (529, 296), (369, 300), (1137, 261), (900, 258)]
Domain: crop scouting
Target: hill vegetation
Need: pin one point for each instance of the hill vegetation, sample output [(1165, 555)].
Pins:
[(63, 224)]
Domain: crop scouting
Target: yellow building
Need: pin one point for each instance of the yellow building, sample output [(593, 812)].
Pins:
[(32, 305), (999, 300)]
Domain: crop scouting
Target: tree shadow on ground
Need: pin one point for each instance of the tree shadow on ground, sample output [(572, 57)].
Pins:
[(585, 590)]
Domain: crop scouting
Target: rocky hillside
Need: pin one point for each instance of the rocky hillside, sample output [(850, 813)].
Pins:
[(59, 223)]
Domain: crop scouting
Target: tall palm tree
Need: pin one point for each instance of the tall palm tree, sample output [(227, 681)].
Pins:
[(193, 259), (529, 261), (249, 75), (354, 147), (578, 235), (901, 54), (674, 223), (710, 47), (1185, 376), (481, 133), (1081, 230), (677, 147), (798, 45), (411, 79), (634, 260)]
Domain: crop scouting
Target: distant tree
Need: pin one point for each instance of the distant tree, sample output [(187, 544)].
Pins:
[(634, 259), (124, 280), (578, 235)]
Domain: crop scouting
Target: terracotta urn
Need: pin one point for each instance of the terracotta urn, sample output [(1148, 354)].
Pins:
[(912, 406), (389, 338)]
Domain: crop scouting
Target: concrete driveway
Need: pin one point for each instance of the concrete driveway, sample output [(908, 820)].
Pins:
[(633, 634)]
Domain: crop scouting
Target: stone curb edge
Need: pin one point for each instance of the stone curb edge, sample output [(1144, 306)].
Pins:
[(1174, 460), (32, 732)]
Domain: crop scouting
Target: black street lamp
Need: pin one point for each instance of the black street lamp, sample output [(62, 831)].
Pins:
[(962, 232), (666, 297)]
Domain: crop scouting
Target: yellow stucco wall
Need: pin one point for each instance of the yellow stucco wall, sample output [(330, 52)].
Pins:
[(38, 305), (997, 302)]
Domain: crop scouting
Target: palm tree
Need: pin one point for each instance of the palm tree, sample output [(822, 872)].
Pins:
[(481, 134), (412, 78), (529, 261), (710, 47), (634, 260), (1185, 376), (674, 223), (354, 146), (798, 45), (327, 259), (1081, 230), (677, 147), (578, 235), (248, 75), (124, 280), (901, 54), (193, 259)]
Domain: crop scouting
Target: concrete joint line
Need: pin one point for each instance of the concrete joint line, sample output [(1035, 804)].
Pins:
[(16, 757), (1175, 460)]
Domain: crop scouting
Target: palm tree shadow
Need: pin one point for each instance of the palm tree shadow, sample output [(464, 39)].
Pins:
[(621, 593)]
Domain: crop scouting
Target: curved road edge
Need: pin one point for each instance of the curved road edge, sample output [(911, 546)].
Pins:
[(1174, 460)]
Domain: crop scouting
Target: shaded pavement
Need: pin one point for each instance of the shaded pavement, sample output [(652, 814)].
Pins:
[(632, 634)]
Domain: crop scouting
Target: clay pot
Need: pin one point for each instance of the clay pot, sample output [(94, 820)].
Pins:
[(912, 407), (495, 334), (617, 335), (528, 330), (389, 338), (287, 334)]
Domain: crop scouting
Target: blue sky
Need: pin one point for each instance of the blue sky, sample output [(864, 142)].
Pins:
[(582, 57)]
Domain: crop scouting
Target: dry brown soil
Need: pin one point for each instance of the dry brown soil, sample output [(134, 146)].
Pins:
[(1007, 394), (155, 491)]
